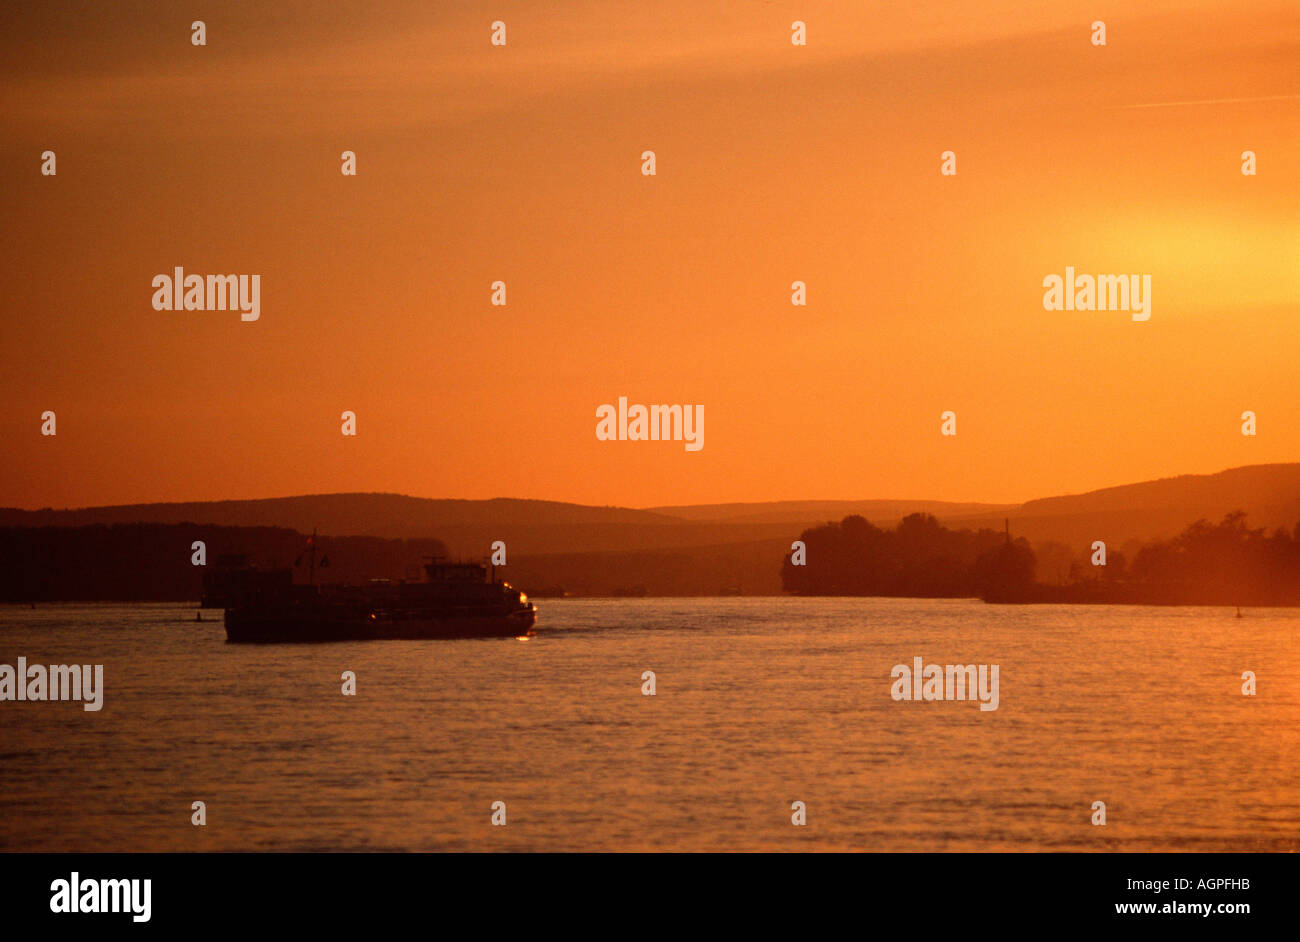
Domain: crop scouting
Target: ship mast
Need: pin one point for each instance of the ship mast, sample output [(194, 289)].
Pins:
[(311, 571)]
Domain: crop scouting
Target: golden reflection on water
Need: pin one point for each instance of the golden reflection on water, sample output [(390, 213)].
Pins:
[(759, 703)]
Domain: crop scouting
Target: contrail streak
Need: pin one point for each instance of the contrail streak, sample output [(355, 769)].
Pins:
[(1211, 101)]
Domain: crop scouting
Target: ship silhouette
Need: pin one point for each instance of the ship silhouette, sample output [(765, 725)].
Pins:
[(455, 600)]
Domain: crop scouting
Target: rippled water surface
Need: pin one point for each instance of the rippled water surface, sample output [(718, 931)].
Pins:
[(760, 703)]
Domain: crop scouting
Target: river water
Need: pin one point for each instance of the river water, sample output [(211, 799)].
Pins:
[(759, 703)]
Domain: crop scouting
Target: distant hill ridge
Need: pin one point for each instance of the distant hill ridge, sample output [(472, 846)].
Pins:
[(1270, 494), (790, 511), (344, 514), (1258, 484)]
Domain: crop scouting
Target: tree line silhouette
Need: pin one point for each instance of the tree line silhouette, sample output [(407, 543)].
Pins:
[(1227, 563), (153, 562)]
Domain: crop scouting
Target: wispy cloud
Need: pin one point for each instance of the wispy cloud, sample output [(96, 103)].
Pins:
[(1211, 101)]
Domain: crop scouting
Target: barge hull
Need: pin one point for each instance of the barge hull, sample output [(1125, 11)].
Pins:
[(266, 629)]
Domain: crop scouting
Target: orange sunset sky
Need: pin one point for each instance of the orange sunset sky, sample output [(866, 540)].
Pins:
[(776, 163)]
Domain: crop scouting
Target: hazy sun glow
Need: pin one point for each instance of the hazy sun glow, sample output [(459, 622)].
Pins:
[(521, 163)]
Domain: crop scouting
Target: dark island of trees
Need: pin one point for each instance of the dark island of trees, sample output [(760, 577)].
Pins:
[(1227, 563)]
